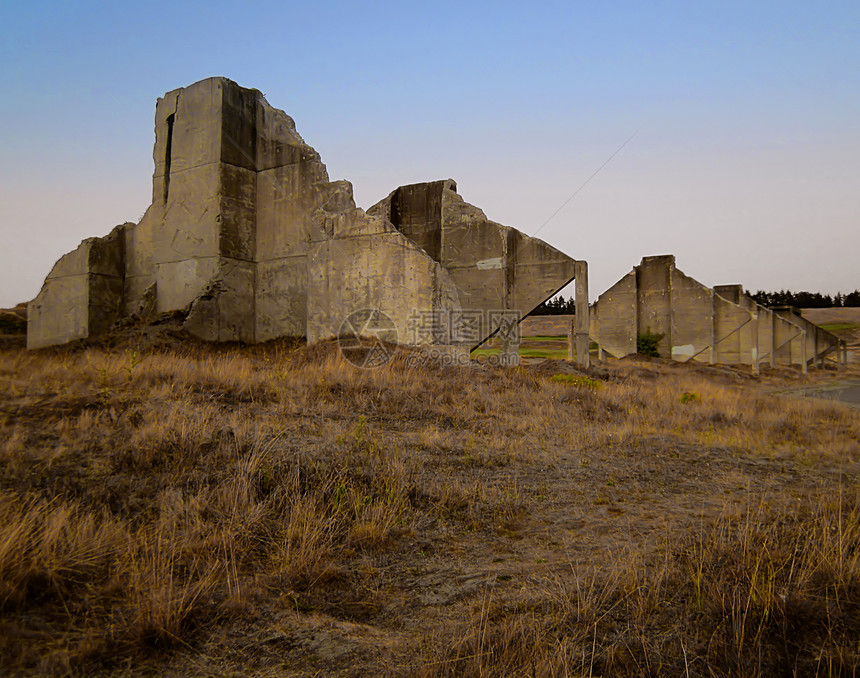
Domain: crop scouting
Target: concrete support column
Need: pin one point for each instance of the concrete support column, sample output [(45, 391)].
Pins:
[(571, 340), (509, 352), (773, 344), (772, 347), (754, 342), (816, 362), (712, 358), (804, 367), (582, 319)]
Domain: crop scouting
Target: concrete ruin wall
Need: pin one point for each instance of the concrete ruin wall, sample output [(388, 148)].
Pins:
[(719, 325), (82, 295), (492, 267), (248, 237)]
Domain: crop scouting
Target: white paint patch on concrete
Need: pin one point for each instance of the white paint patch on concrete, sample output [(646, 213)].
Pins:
[(487, 264), (686, 350)]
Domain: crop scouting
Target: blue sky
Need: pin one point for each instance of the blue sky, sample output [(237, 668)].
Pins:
[(745, 162)]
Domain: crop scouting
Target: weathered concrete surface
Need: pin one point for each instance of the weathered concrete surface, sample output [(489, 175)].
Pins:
[(248, 237), (616, 315), (361, 261), (493, 268), (82, 294), (720, 325)]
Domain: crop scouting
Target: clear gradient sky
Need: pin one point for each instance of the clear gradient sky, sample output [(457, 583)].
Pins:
[(746, 164)]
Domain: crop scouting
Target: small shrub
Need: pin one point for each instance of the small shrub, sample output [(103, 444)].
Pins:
[(646, 344), (689, 398)]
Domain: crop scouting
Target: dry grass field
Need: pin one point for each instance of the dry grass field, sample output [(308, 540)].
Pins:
[(189, 510)]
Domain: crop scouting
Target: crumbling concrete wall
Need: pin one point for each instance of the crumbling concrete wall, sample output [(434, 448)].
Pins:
[(494, 268), (656, 298), (719, 325), (361, 261), (248, 237), (82, 295)]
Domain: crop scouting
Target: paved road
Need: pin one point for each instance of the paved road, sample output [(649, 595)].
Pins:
[(845, 392)]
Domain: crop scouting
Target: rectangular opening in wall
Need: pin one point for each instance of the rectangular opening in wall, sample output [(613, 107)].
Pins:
[(168, 149)]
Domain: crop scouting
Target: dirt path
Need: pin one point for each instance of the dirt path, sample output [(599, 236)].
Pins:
[(843, 391)]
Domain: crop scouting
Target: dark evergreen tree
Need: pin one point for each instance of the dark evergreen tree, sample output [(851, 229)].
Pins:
[(556, 306)]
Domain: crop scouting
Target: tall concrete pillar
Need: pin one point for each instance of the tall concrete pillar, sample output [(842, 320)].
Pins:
[(571, 340), (818, 350), (804, 367), (754, 341), (582, 320), (772, 343), (712, 358), (509, 352)]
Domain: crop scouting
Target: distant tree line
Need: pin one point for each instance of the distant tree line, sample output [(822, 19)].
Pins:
[(806, 299), (561, 306), (556, 306)]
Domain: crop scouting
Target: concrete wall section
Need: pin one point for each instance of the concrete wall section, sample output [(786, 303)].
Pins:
[(615, 319), (178, 283), (59, 313), (729, 321), (692, 313), (536, 271), (721, 325), (416, 211), (655, 299), (282, 298), (495, 268), (82, 295), (190, 221), (237, 235), (283, 222), (765, 336), (238, 134), (379, 269), (248, 237), (188, 128), (788, 338), (225, 310), (139, 271)]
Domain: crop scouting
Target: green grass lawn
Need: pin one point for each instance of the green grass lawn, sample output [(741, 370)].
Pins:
[(559, 353), (525, 353), (543, 353)]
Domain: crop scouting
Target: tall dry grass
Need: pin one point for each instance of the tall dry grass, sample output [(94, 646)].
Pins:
[(765, 594), (149, 497)]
